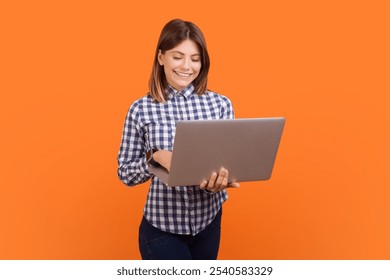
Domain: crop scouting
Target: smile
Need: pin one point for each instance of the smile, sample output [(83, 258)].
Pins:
[(186, 75)]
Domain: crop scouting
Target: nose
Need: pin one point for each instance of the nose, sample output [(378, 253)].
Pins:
[(185, 64)]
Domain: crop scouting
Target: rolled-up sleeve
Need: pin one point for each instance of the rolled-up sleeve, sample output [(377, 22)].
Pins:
[(132, 165)]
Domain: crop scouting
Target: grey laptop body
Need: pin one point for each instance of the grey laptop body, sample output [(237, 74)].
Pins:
[(247, 148)]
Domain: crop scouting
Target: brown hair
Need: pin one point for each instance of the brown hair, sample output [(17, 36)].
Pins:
[(173, 33)]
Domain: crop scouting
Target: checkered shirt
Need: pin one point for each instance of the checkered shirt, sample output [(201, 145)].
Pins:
[(152, 125)]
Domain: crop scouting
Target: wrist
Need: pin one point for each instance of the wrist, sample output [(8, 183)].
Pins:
[(151, 158)]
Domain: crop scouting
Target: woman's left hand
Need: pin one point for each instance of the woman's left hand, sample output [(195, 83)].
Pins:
[(218, 182)]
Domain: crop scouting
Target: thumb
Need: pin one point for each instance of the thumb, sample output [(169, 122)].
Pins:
[(233, 185)]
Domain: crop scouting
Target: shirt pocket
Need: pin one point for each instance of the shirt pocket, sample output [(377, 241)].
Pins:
[(159, 136)]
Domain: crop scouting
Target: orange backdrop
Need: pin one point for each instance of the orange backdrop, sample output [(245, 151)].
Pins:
[(70, 69)]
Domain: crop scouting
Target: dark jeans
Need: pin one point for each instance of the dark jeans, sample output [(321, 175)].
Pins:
[(155, 244)]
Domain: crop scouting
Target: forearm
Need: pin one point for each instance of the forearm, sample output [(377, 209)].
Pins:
[(163, 158)]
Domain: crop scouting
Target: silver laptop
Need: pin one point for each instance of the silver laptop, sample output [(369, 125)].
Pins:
[(247, 148)]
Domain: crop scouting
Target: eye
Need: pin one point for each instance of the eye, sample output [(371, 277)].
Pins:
[(176, 58), (196, 58)]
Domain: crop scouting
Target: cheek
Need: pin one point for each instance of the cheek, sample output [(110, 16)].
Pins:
[(168, 69), (197, 67), (171, 65)]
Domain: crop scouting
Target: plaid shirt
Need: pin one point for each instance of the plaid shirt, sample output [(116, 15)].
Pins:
[(151, 125)]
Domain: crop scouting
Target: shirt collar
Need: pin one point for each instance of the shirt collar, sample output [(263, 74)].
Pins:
[(171, 92)]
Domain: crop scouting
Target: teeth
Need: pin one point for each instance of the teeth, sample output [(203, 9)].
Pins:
[(182, 74)]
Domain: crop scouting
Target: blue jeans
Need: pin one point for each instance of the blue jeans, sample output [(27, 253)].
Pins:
[(155, 244)]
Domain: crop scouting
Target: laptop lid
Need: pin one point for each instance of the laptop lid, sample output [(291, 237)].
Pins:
[(247, 148)]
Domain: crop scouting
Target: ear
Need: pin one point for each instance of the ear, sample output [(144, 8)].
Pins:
[(160, 57)]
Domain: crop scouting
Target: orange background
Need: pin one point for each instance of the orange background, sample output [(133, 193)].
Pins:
[(70, 69)]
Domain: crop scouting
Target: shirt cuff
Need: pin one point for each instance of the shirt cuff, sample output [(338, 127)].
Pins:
[(143, 166)]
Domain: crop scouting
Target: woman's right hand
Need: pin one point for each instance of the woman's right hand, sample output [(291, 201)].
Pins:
[(218, 182), (164, 158)]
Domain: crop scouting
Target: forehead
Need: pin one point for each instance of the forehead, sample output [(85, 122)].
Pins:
[(188, 46)]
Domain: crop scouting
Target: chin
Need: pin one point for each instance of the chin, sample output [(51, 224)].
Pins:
[(181, 86)]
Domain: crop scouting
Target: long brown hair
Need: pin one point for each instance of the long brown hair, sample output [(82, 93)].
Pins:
[(173, 33)]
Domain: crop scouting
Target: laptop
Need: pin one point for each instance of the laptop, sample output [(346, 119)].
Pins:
[(247, 148)]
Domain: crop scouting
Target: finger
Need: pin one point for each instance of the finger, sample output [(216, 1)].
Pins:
[(224, 183), (221, 182), (224, 180), (211, 183), (203, 184), (221, 177), (233, 185)]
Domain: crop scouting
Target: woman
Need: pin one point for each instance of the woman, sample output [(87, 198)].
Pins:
[(180, 222)]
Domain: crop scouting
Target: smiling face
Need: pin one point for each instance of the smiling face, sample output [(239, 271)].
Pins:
[(181, 64)]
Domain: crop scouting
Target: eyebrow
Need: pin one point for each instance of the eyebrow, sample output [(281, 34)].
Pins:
[(184, 53)]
